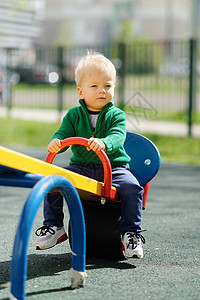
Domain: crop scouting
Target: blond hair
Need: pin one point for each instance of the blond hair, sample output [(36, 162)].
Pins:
[(94, 61)]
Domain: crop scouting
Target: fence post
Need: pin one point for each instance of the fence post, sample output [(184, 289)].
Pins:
[(192, 83), (60, 63), (8, 83), (121, 74)]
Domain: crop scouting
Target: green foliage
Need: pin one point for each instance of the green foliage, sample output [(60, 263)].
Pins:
[(142, 55)]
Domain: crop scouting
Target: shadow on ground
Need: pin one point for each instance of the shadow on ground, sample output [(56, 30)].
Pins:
[(44, 265)]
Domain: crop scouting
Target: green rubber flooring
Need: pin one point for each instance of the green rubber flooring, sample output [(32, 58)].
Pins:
[(170, 268)]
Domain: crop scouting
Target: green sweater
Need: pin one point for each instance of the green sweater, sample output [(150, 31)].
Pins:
[(110, 128)]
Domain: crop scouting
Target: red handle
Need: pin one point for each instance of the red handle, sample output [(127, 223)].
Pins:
[(106, 191)]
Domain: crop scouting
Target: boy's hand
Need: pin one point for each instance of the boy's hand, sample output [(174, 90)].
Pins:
[(96, 144), (54, 146)]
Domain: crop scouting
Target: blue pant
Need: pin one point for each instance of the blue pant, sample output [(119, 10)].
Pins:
[(130, 193)]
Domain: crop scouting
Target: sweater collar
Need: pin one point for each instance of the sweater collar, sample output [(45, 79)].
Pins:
[(106, 107)]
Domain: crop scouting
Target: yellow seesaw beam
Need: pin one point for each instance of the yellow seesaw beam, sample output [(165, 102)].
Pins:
[(87, 188)]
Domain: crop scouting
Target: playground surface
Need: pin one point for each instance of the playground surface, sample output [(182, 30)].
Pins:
[(170, 268)]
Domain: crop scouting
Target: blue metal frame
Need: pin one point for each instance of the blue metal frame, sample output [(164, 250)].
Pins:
[(17, 178), (19, 258)]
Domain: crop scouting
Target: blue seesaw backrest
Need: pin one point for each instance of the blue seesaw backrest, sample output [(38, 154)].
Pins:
[(145, 157)]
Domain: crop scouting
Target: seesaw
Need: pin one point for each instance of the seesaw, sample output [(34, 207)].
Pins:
[(21, 170), (103, 221)]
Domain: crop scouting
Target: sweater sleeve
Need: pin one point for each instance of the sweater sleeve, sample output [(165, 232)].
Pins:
[(116, 133), (66, 128)]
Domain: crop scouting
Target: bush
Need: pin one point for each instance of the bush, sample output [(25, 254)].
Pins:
[(142, 57)]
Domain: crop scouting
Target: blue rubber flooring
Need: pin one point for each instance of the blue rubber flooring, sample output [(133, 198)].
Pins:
[(170, 268)]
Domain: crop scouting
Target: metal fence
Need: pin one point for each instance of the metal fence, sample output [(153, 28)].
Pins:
[(156, 80)]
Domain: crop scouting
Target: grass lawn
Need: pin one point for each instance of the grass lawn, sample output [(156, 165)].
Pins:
[(25, 133), (37, 134)]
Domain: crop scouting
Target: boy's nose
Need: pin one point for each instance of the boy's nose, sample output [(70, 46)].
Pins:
[(102, 90)]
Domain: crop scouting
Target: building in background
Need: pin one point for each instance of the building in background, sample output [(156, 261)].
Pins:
[(77, 22), (164, 19), (20, 29), (96, 22), (92, 22), (20, 22)]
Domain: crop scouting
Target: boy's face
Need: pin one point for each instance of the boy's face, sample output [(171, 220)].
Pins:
[(97, 89)]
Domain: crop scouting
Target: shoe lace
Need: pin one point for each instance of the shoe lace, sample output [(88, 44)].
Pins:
[(42, 231), (134, 238)]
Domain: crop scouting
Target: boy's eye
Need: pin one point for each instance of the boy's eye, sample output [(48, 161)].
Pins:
[(108, 85), (94, 85)]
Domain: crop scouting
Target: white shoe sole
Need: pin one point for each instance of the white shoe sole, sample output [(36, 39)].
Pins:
[(138, 255)]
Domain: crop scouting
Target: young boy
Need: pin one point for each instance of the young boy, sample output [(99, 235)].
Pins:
[(105, 126)]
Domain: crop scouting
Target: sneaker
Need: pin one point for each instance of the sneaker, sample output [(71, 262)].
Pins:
[(132, 245), (50, 236)]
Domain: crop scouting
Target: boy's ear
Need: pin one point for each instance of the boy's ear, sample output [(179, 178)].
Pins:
[(80, 92)]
